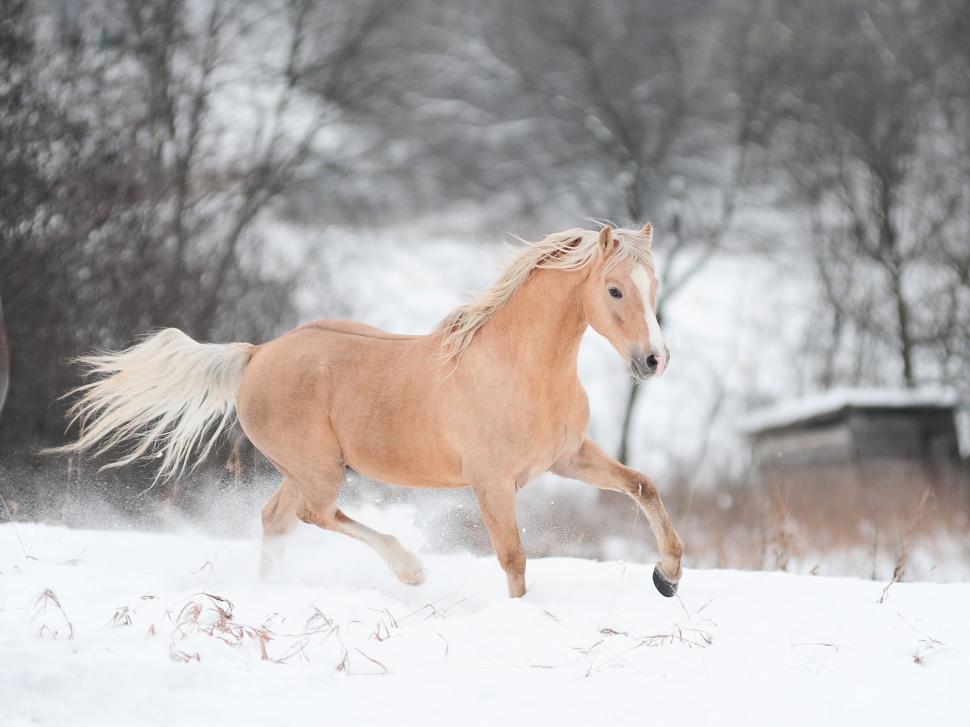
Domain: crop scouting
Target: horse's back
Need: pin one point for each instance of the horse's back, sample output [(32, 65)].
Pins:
[(315, 362), (353, 328)]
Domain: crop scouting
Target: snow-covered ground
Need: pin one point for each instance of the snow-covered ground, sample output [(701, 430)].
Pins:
[(134, 628)]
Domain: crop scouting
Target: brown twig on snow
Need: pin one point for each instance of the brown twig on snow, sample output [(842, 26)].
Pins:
[(907, 543), (45, 597)]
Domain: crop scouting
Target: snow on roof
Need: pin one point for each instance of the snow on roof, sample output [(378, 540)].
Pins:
[(828, 402)]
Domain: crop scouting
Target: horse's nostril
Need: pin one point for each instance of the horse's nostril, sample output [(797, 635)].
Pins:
[(652, 363)]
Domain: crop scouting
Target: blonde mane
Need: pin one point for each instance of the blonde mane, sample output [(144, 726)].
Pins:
[(567, 250)]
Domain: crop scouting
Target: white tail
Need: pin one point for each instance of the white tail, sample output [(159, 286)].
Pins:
[(168, 394)]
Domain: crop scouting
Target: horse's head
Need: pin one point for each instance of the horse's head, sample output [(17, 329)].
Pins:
[(621, 304)]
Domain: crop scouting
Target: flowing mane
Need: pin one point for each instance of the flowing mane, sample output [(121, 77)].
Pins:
[(567, 250)]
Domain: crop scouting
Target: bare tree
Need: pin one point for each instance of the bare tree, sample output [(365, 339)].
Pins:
[(4, 362), (151, 138), (618, 102), (733, 112), (879, 161)]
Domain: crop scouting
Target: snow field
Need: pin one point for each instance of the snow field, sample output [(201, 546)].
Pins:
[(334, 639)]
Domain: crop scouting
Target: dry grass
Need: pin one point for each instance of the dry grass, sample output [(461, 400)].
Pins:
[(44, 601), (212, 615), (884, 525), (694, 630), (689, 636), (125, 615), (904, 551), (121, 617)]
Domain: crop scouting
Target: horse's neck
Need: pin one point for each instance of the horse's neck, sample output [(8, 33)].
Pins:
[(542, 324)]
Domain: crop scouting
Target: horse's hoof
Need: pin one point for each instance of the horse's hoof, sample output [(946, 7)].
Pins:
[(406, 566), (665, 587), (410, 573), (412, 578)]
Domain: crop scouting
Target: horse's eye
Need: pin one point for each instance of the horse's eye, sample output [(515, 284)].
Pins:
[(615, 292)]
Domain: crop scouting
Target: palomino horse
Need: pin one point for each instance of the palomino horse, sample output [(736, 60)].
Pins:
[(490, 399)]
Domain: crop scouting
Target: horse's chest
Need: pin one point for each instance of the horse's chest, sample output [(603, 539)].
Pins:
[(517, 430), (541, 438)]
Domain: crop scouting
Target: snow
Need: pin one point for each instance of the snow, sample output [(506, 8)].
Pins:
[(827, 402), (592, 643)]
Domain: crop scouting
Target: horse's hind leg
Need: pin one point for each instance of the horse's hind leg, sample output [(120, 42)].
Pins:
[(279, 519), (401, 561), (314, 472)]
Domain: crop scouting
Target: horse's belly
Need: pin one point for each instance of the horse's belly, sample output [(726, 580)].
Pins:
[(405, 467), (399, 449), (408, 477)]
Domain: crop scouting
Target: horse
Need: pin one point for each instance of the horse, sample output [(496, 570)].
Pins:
[(490, 399)]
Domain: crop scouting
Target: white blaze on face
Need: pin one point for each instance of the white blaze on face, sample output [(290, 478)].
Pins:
[(645, 284)]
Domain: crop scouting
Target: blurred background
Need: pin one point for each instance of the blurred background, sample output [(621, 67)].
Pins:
[(234, 167)]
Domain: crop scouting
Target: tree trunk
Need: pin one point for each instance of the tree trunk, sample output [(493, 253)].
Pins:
[(631, 401), (623, 453), (905, 339), (4, 361)]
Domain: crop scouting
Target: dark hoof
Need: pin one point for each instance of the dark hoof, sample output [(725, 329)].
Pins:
[(665, 587)]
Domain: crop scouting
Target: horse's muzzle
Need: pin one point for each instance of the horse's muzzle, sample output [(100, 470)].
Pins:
[(649, 364)]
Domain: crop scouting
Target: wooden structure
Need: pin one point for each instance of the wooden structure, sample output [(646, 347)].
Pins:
[(850, 441)]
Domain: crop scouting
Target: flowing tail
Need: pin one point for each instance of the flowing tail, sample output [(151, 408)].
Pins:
[(168, 395)]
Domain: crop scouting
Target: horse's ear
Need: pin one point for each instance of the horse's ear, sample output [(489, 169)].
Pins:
[(647, 232), (607, 241)]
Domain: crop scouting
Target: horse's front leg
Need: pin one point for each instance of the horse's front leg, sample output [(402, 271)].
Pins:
[(591, 464), (496, 500)]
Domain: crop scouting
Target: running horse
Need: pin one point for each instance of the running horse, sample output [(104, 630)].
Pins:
[(490, 399)]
